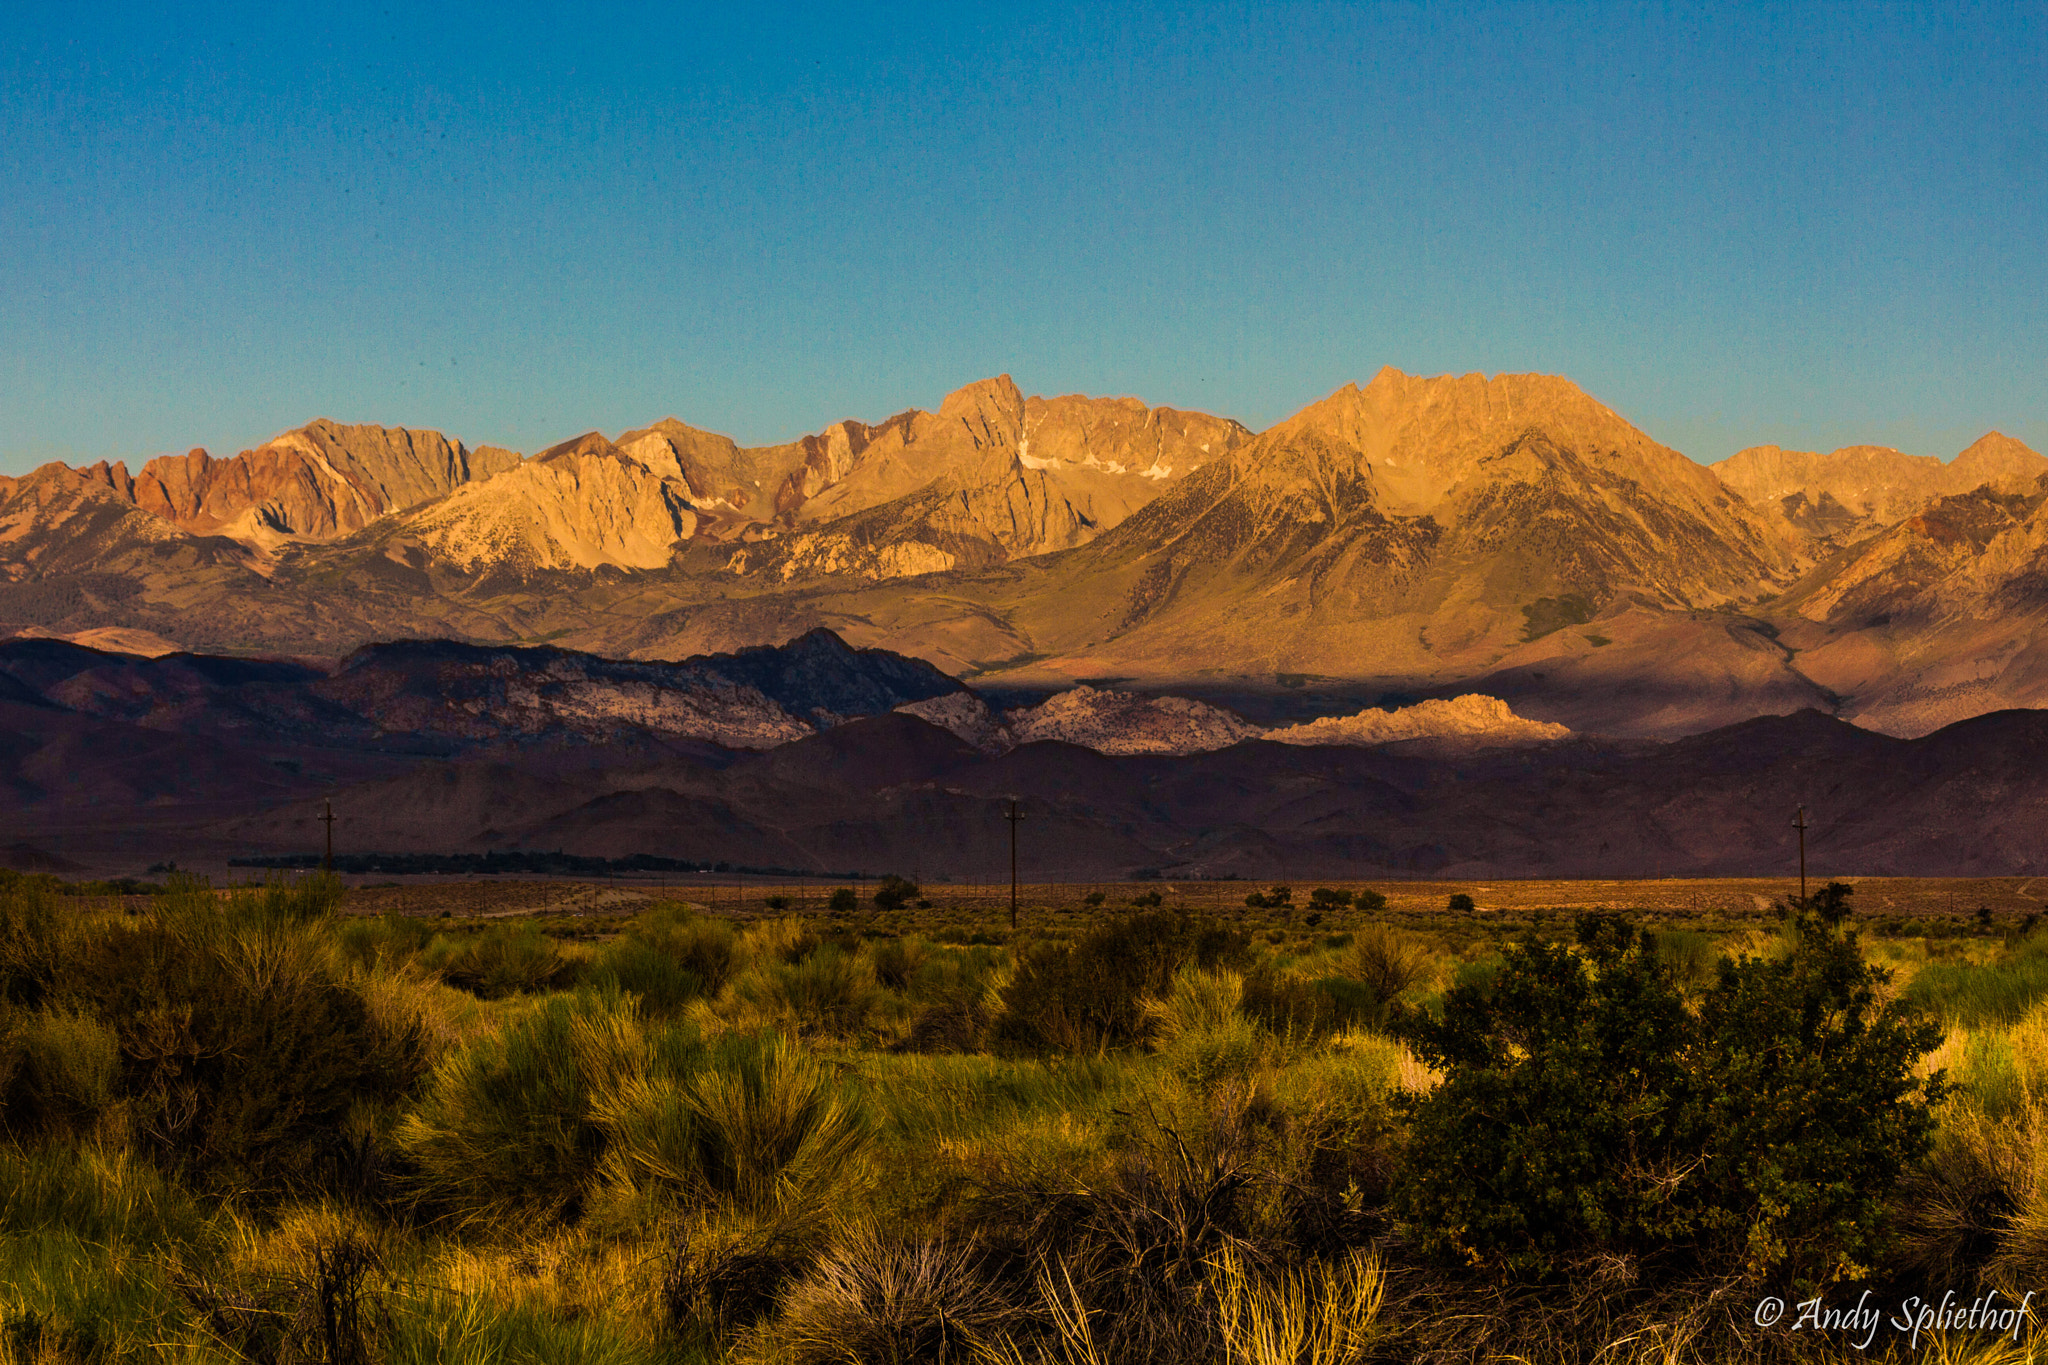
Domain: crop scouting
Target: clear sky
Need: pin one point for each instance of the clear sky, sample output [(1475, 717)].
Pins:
[(1810, 225)]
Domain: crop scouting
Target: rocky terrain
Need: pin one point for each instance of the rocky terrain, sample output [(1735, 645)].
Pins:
[(1408, 540)]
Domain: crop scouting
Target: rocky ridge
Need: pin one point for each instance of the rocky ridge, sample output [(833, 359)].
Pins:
[(1424, 537)]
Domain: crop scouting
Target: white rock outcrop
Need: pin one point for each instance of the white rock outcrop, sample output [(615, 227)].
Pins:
[(1475, 718)]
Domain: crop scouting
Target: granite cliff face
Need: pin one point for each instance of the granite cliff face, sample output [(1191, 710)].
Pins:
[(991, 476), (318, 482)]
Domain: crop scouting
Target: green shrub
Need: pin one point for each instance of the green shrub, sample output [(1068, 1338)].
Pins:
[(843, 901), (506, 1127), (1761, 1134), (99, 1195), (893, 893), (1091, 993), (896, 961), (33, 939), (1385, 963), (829, 992), (664, 985), (1460, 903), (242, 1044), (59, 1072), (874, 1300), (759, 1127), (1688, 954), (505, 959), (1323, 898), (384, 941)]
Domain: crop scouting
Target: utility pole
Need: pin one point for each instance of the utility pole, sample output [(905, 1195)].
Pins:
[(328, 819), (1799, 823), (1013, 816)]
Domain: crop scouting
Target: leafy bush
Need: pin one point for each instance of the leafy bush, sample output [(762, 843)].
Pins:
[(1274, 899), (1091, 993), (1460, 903), (1762, 1133), (843, 901), (1323, 898)]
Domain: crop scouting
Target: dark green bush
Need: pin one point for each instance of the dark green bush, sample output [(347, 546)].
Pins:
[(844, 901), (894, 893), (502, 960), (1586, 1111), (664, 984), (1323, 898), (670, 957), (59, 1072), (1090, 993), (241, 1048), (1306, 1010), (1460, 903)]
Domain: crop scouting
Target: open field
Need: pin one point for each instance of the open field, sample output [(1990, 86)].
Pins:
[(572, 1120), (981, 903)]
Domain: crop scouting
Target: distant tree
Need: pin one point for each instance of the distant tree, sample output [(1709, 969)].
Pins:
[(1277, 898), (1368, 901), (1324, 898), (777, 902), (1093, 899), (1460, 904), (844, 901), (1148, 900), (894, 893)]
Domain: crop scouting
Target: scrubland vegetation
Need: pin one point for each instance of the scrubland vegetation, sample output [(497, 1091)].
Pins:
[(244, 1126)]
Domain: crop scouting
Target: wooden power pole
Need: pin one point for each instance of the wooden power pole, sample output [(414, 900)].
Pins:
[(1799, 823), (327, 818), (1013, 816)]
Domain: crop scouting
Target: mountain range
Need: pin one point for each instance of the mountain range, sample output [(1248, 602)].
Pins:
[(816, 755), (1406, 540)]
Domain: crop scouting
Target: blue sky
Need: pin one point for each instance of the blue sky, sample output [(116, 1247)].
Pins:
[(1808, 225)]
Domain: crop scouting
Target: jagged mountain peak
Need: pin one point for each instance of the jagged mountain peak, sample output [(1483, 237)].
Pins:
[(1994, 456), (1419, 439), (589, 443)]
